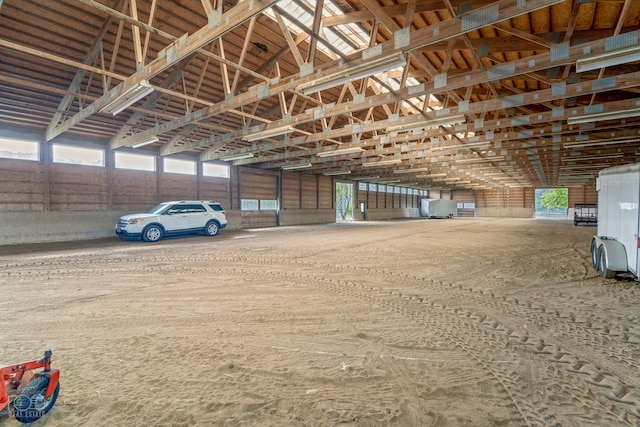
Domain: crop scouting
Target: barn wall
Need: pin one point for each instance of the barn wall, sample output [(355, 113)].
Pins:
[(306, 199), (505, 202), (45, 201), (583, 194)]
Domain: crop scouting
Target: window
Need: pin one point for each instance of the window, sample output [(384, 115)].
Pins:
[(381, 188), (372, 187), (469, 206), (249, 205), (186, 208), (187, 167), (77, 155), (215, 170), (268, 205), (16, 149), (362, 186), (135, 161)]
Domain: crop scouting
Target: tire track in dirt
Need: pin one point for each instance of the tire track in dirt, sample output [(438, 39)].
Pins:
[(470, 330)]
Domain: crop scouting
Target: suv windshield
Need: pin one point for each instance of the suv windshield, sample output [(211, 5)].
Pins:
[(158, 209)]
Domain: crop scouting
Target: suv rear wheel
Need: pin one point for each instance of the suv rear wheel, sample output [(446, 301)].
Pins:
[(212, 228), (152, 233)]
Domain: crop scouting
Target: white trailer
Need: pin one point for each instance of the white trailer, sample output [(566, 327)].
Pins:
[(438, 208), (616, 247)]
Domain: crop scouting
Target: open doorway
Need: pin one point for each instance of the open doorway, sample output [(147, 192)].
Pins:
[(551, 202), (344, 201)]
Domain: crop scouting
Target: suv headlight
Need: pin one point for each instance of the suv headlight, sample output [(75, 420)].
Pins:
[(135, 220)]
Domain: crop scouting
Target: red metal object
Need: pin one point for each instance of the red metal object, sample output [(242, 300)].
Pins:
[(29, 403)]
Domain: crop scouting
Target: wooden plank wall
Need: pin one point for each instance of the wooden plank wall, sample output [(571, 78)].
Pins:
[(22, 186), (174, 186), (381, 199), (464, 196), (502, 198), (217, 190), (586, 194), (291, 198), (37, 186), (261, 185), (529, 197), (257, 185), (326, 197), (134, 190), (78, 188), (309, 192)]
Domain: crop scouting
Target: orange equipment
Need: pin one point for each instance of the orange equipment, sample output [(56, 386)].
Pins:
[(26, 393)]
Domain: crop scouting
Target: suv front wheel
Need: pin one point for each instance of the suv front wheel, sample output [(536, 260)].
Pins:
[(152, 233), (212, 228)]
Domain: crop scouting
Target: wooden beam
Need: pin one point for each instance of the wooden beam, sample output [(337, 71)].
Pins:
[(137, 43), (449, 28), (55, 58), (172, 54)]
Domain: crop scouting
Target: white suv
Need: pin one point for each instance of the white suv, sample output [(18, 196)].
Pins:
[(172, 218)]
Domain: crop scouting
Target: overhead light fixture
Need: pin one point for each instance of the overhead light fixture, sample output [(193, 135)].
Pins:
[(594, 157), (481, 159), (268, 133), (298, 166), (145, 141), (584, 166), (431, 175), (459, 146), (237, 157), (381, 163), (366, 69), (608, 59), (440, 121), (411, 170), (340, 152), (600, 142), (608, 115), (336, 173), (128, 98)]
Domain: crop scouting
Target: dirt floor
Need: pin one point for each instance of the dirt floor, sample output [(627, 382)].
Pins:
[(459, 322)]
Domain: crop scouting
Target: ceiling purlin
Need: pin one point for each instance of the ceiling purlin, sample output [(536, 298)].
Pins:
[(447, 29), (544, 95), (74, 86), (184, 47), (538, 62), (422, 37), (397, 10), (621, 19), (55, 58)]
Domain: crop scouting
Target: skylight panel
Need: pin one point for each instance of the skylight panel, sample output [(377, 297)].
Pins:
[(355, 36)]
